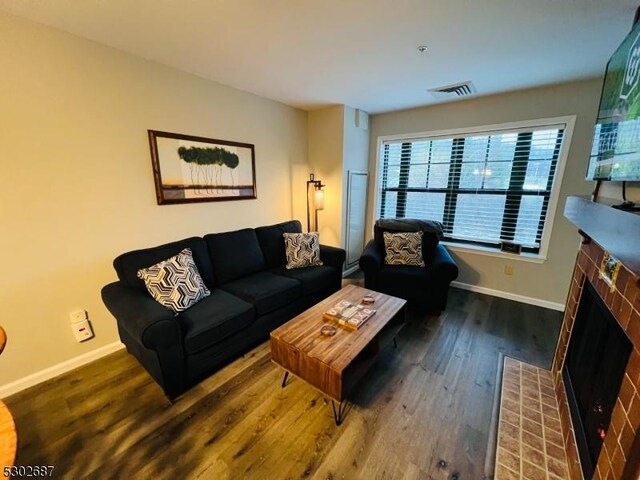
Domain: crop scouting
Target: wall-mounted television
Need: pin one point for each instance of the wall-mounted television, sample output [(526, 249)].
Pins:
[(615, 154)]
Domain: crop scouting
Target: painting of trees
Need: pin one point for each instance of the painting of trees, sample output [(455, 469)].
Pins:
[(198, 169), (206, 166)]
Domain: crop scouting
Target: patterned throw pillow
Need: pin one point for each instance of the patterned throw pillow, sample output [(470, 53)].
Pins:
[(403, 248), (175, 283), (302, 250)]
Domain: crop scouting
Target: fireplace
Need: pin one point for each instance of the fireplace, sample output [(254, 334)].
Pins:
[(593, 371), (606, 233)]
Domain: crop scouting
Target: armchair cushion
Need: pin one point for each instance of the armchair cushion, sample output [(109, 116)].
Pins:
[(403, 248), (302, 250), (432, 232), (175, 283), (214, 319), (265, 291)]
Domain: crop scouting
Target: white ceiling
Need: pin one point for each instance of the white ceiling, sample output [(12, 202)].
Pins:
[(357, 52)]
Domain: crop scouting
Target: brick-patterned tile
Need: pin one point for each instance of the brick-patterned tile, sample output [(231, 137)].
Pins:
[(533, 415), (633, 294), (547, 390), (533, 440), (633, 367), (617, 462), (553, 437), (510, 417), (618, 417), (623, 314), (533, 455), (556, 452), (531, 392), (559, 469), (509, 460), (623, 279), (545, 379), (509, 405), (532, 427), (633, 329), (532, 472), (552, 423), (503, 473), (626, 437), (633, 412), (609, 297), (510, 395), (532, 403), (548, 400)]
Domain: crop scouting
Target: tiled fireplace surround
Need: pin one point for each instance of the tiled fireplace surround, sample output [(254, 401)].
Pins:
[(620, 455)]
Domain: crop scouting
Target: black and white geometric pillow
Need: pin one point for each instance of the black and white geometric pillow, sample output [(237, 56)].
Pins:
[(302, 249), (175, 282), (403, 248)]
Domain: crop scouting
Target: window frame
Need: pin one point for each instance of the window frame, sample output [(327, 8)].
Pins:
[(554, 195)]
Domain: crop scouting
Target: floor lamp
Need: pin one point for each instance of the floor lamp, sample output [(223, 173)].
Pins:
[(315, 202)]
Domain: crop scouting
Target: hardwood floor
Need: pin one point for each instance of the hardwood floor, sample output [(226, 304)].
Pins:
[(424, 410)]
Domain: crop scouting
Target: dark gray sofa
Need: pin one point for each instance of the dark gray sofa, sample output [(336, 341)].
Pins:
[(252, 293)]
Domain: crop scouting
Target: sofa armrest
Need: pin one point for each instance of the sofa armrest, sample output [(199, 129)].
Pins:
[(443, 266), (371, 261), (332, 256), (144, 319)]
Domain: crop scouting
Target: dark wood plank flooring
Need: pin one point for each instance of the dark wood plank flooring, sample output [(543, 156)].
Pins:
[(423, 411)]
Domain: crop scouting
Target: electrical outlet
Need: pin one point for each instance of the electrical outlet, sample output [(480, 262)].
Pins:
[(82, 330), (78, 316), (508, 269)]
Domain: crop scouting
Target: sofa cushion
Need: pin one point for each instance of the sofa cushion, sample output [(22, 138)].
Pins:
[(272, 242), (175, 283), (213, 319), (265, 291), (128, 264), (404, 281), (313, 279), (432, 232), (235, 254), (302, 250), (403, 248)]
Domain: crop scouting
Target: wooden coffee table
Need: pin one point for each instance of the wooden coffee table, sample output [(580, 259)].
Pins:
[(334, 364)]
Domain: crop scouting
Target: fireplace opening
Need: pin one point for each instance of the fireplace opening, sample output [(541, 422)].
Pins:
[(593, 371)]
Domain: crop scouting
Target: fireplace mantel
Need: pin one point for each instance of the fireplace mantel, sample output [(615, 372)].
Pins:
[(616, 231)]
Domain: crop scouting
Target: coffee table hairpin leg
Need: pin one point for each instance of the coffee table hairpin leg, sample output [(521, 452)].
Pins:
[(338, 415), (284, 380)]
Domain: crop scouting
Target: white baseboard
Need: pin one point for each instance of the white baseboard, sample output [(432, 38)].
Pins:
[(510, 296), (59, 369)]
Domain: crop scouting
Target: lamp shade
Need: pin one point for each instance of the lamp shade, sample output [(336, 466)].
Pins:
[(318, 199), (3, 339)]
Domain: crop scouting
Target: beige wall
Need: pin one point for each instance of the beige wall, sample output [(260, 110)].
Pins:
[(548, 281), (336, 146), (77, 186), (326, 136)]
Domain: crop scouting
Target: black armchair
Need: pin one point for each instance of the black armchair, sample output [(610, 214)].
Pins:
[(424, 287)]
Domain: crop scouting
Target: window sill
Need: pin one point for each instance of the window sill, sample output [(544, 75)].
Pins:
[(494, 252)]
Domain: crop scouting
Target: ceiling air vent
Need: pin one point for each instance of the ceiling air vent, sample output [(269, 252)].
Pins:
[(462, 89)]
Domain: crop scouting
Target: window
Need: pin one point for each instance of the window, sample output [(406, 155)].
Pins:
[(486, 186)]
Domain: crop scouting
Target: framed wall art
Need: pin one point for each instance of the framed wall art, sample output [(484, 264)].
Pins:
[(189, 169)]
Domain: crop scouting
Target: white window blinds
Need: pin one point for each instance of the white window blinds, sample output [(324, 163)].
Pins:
[(485, 187)]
